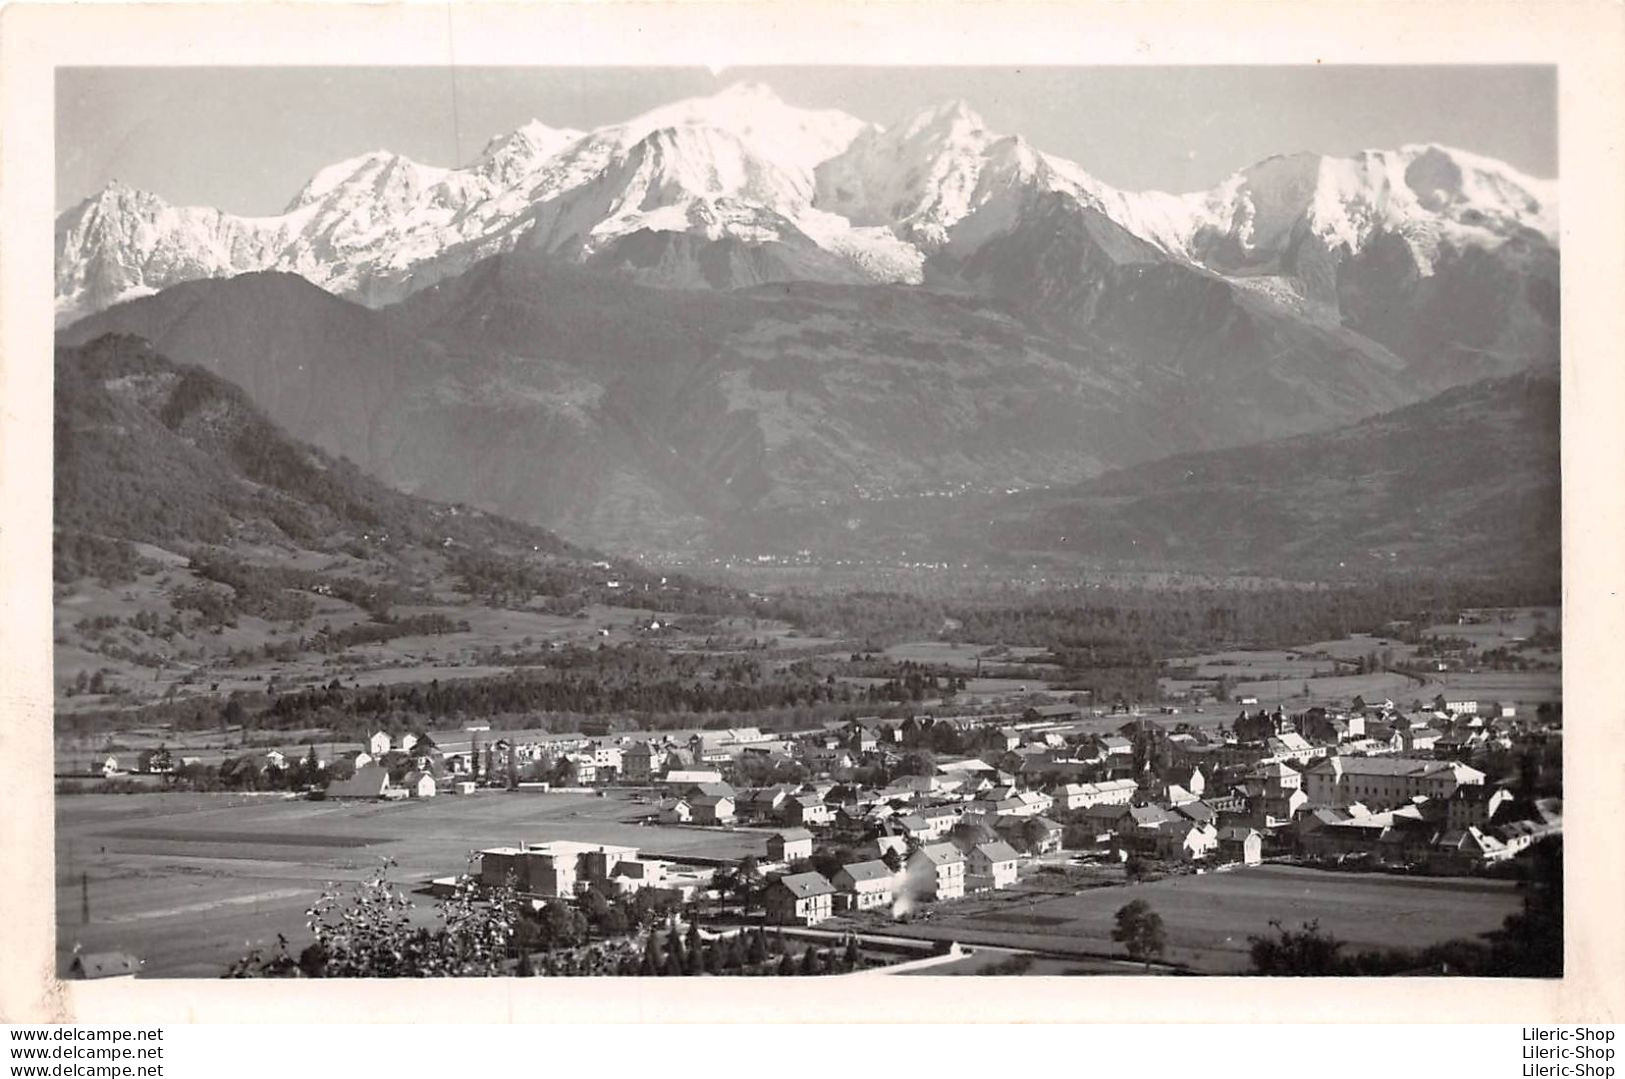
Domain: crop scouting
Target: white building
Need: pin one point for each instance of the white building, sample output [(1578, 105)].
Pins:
[(1383, 782)]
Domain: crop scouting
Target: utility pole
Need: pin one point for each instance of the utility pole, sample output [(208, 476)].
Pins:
[(84, 899)]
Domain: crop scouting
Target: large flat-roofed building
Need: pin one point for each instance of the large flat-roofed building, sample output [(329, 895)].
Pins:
[(554, 869)]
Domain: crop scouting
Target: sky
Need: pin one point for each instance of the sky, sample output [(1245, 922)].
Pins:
[(247, 139)]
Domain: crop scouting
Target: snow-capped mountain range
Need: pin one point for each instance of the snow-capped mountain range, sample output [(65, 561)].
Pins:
[(831, 197)]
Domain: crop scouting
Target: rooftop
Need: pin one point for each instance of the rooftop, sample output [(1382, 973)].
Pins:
[(806, 885)]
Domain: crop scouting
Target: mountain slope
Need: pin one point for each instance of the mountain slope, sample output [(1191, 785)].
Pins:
[(1465, 480), (151, 451), (630, 416), (331, 372)]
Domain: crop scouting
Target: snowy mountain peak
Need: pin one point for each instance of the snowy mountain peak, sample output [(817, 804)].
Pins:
[(794, 137), (1425, 193), (953, 117), (744, 164), (528, 143), (380, 172)]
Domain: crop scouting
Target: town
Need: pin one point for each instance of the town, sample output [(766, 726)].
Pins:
[(948, 839)]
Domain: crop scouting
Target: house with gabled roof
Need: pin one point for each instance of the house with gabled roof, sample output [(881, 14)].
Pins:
[(790, 845), (991, 865), (938, 870), (882, 845), (712, 808), (911, 825), (1465, 849), (805, 809), (1030, 835), (675, 811), (864, 885), (1475, 804), (1186, 840), (420, 784), (1198, 811), (799, 899), (1238, 843), (369, 781), (762, 803)]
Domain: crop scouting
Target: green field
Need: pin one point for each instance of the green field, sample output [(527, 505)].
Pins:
[(1497, 628), (962, 656), (1333, 690), (1209, 917), (189, 881), (1522, 687)]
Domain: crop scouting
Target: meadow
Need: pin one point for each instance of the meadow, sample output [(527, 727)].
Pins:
[(1209, 917), (189, 882)]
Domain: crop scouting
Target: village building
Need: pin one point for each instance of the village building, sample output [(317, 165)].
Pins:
[(419, 784), (712, 809), (790, 845), (1241, 844), (1381, 782), (1186, 840), (991, 866), (556, 869), (1475, 805), (684, 778), (806, 809), (884, 846), (799, 899), (369, 781), (939, 869), (1074, 796), (864, 885), (641, 762)]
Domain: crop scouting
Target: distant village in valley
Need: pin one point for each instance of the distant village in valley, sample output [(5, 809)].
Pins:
[(941, 840)]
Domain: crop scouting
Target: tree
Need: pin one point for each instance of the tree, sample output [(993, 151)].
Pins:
[(811, 961), (676, 953), (370, 933), (1139, 929), (654, 956), (853, 958), (560, 927), (787, 966), (1530, 942), (756, 951), (725, 881), (695, 949), (1303, 952)]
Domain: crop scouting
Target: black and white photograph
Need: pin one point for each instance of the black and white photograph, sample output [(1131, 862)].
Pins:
[(807, 521), (840, 520)]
